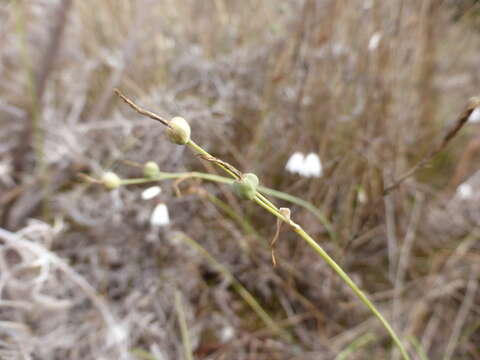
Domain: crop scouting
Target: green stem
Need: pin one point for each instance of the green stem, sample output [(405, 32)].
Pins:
[(266, 204), (187, 347), (261, 189), (305, 204), (247, 227), (239, 288), (197, 148), (172, 176), (319, 250)]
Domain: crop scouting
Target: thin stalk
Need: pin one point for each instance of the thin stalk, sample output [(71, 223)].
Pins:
[(418, 347), (247, 227), (171, 176), (261, 189), (239, 288), (352, 348), (197, 148), (305, 204), (267, 205), (187, 347), (319, 250), (223, 180)]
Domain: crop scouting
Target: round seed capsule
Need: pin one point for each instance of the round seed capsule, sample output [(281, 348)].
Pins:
[(111, 180), (151, 170), (246, 187), (178, 131)]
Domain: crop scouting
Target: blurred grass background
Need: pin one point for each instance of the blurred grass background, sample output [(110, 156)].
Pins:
[(370, 86)]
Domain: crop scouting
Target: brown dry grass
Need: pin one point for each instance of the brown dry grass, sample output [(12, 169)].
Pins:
[(258, 81)]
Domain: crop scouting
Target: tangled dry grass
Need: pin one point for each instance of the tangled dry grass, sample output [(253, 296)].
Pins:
[(371, 86)]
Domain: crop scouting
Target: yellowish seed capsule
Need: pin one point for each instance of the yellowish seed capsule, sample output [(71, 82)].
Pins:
[(151, 170), (178, 131), (111, 180)]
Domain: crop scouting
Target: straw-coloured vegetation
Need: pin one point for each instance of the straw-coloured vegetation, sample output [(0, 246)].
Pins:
[(356, 118)]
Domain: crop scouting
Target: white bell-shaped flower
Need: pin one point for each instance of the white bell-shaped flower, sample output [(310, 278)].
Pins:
[(151, 192), (374, 41), (312, 167), (295, 163), (160, 216)]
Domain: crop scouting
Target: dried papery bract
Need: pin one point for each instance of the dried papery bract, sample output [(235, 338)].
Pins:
[(287, 214)]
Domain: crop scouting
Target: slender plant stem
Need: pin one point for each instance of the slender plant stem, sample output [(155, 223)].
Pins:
[(267, 205), (187, 347), (224, 180), (247, 227), (171, 176), (358, 343), (319, 250), (197, 148), (240, 289), (305, 204)]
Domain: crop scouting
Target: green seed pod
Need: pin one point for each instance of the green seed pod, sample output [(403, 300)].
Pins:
[(111, 180), (151, 170), (246, 187), (178, 131)]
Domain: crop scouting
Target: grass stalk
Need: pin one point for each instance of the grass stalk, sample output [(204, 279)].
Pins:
[(239, 288), (187, 347)]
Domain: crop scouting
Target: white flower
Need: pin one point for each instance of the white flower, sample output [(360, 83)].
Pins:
[(474, 116), (118, 333), (308, 166), (465, 191), (362, 196), (160, 215), (312, 167), (374, 41), (227, 333), (151, 192), (6, 172), (295, 163), (339, 49)]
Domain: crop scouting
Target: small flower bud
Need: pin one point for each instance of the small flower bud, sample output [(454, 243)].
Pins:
[(178, 131), (246, 187), (111, 180), (151, 170)]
